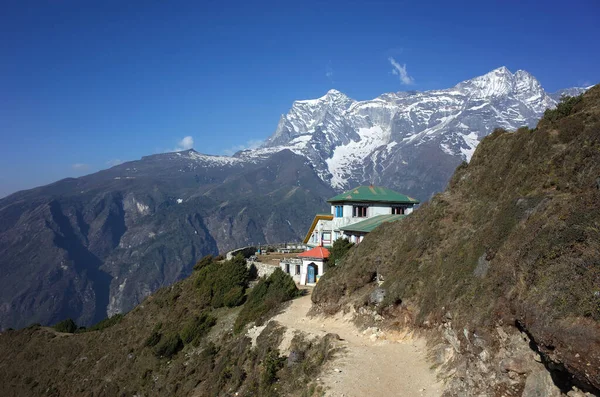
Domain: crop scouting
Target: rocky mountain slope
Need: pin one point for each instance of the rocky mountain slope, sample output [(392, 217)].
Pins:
[(94, 246), (408, 141), (178, 342), (503, 268)]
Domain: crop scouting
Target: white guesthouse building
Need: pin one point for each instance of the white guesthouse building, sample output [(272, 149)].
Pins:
[(356, 212), (353, 214)]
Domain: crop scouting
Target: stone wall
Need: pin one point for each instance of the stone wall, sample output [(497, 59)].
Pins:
[(263, 269), (245, 251)]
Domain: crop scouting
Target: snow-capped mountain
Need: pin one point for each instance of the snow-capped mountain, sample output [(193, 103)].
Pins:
[(411, 141)]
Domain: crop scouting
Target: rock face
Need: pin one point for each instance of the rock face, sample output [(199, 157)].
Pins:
[(94, 246), (408, 141)]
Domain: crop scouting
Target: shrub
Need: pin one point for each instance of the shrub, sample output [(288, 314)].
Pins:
[(197, 328), (265, 296), (205, 261), (563, 109), (107, 322), (338, 250), (153, 339), (223, 283), (67, 325), (234, 297), (272, 363), (169, 346)]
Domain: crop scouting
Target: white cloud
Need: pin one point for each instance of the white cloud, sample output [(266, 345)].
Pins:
[(329, 72), (80, 166), (184, 144), (400, 70), (114, 162), (251, 144)]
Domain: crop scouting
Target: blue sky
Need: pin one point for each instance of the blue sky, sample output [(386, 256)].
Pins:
[(84, 84)]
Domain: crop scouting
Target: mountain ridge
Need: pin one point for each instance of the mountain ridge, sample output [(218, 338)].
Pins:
[(354, 142), (97, 245)]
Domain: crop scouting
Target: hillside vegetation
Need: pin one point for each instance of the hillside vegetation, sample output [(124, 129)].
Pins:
[(178, 342), (514, 240)]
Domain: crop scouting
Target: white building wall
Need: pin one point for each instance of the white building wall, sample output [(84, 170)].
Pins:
[(372, 210), (375, 210), (304, 272), (348, 211)]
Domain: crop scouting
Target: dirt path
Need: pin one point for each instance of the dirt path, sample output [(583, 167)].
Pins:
[(391, 365)]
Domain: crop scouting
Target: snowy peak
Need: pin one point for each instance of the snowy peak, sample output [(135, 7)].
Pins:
[(306, 116), (499, 82), (574, 91), (393, 139), (333, 97)]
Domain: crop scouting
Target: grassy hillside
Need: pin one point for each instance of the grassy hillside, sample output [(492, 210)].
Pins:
[(180, 341), (515, 239)]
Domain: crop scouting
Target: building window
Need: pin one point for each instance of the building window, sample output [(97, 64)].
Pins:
[(327, 237), (397, 210), (339, 211), (359, 211), (297, 269)]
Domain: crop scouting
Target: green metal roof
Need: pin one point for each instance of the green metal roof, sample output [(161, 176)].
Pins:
[(368, 225), (373, 194)]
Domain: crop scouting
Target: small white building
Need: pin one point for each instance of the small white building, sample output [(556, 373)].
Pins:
[(308, 267), (354, 206)]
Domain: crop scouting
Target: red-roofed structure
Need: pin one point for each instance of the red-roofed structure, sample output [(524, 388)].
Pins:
[(308, 267), (317, 253)]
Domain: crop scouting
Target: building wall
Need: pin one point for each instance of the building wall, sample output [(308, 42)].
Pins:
[(296, 275), (304, 273), (337, 223), (354, 237), (379, 209)]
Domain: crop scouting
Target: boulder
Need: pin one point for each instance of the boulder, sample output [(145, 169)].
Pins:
[(377, 296), (539, 384), (519, 365)]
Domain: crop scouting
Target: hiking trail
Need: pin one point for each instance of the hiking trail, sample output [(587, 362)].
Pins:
[(373, 363)]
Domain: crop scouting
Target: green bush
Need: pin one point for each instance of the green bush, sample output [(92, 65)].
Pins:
[(223, 283), (107, 322), (205, 261), (563, 109), (272, 363), (234, 297), (168, 346), (153, 339), (195, 329), (338, 250), (67, 325), (265, 296)]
